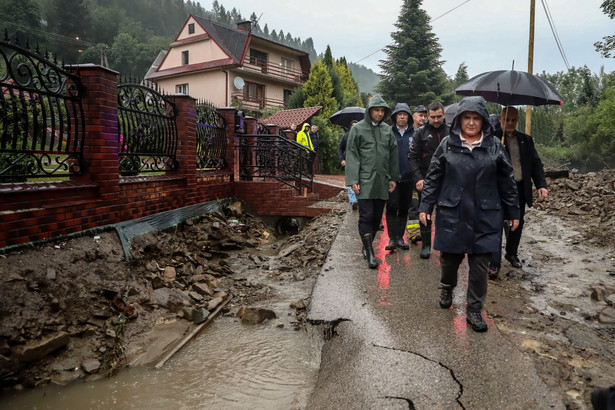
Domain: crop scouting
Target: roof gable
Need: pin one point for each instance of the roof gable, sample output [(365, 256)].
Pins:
[(232, 40), (298, 116)]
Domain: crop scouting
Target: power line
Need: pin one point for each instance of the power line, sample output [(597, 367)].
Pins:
[(554, 31), (441, 15), (46, 34)]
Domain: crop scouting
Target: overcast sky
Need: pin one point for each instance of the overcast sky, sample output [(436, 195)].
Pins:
[(485, 34)]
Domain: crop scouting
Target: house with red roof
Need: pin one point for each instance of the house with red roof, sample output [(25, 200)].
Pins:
[(230, 66)]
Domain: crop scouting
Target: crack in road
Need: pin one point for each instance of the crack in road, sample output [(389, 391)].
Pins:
[(452, 373)]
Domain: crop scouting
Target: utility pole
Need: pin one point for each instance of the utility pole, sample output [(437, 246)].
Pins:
[(530, 66)]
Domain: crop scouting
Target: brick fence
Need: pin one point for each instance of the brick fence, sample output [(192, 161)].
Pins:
[(37, 211)]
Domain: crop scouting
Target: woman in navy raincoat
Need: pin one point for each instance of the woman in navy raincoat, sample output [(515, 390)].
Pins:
[(470, 179)]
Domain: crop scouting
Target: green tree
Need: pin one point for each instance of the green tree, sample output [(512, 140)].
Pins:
[(351, 95), (412, 71), (461, 76), (22, 18), (606, 46), (318, 90), (336, 81)]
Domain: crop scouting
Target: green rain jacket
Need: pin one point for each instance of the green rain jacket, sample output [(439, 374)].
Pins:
[(371, 155)]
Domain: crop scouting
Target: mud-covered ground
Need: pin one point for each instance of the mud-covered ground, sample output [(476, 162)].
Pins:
[(73, 308)]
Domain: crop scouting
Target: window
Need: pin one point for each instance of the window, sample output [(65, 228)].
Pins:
[(191, 28), (181, 89), (185, 58), (253, 92), (259, 58), (287, 94), (287, 66)]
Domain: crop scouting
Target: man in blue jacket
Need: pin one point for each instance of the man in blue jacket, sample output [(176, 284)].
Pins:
[(401, 197)]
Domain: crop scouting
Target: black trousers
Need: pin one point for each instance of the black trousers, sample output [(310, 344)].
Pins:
[(514, 237), (477, 276), (370, 215), (400, 200)]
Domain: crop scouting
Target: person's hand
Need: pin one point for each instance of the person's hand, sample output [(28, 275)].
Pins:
[(356, 188), (424, 217), (543, 193), (392, 185), (343, 162), (419, 185), (514, 224)]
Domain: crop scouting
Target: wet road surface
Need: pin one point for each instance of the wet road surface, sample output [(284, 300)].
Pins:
[(393, 347)]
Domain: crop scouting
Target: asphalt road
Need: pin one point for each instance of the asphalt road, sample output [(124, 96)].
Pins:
[(393, 347)]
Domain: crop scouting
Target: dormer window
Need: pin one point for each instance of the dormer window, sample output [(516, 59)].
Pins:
[(191, 28)]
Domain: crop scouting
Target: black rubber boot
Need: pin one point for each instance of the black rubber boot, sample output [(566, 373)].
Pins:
[(426, 240), (372, 262), (401, 229)]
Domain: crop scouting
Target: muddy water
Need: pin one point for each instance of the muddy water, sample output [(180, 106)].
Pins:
[(227, 366), (262, 368)]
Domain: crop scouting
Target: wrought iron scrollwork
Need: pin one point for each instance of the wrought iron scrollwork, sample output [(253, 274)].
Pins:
[(42, 125), (148, 130), (211, 138)]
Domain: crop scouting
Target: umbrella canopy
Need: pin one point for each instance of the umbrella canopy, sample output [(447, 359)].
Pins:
[(345, 116), (511, 87), (449, 112)]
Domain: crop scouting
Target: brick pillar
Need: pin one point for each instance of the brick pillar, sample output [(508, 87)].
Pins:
[(186, 144), (101, 144)]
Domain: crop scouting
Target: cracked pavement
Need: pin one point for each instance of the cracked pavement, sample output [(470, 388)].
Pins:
[(392, 347)]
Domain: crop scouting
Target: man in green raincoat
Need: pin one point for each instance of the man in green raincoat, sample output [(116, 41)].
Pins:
[(372, 167)]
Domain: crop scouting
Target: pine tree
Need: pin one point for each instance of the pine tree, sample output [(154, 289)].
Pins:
[(352, 96), (412, 72), (318, 90)]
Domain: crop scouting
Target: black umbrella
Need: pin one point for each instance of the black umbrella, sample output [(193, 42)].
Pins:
[(449, 112), (345, 116), (511, 87)]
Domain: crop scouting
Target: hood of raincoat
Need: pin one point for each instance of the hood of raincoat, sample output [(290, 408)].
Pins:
[(377, 101), (400, 107), (305, 128), (475, 104)]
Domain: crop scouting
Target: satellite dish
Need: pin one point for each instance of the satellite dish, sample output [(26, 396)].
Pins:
[(239, 83)]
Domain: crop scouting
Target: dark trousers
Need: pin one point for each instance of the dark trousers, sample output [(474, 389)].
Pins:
[(477, 276), (400, 200), (370, 215), (513, 238)]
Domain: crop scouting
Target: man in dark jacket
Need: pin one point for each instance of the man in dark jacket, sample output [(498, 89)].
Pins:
[(372, 169), (400, 199), (341, 154), (527, 168), (425, 141), (470, 178)]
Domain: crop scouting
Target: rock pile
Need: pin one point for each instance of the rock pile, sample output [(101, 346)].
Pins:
[(585, 200)]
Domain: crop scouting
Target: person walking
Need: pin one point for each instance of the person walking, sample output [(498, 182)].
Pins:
[(424, 144), (470, 178), (527, 168), (372, 169), (341, 154), (315, 138), (303, 138), (400, 199)]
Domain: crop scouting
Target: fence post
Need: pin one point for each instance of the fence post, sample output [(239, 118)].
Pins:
[(101, 144), (186, 144)]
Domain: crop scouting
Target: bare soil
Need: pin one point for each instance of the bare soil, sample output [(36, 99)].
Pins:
[(72, 308)]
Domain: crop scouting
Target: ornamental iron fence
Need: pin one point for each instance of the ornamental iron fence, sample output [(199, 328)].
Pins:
[(147, 129), (42, 125), (211, 142)]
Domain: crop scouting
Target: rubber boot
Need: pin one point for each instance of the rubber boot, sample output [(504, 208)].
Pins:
[(446, 296), (426, 239), (372, 262), (392, 230)]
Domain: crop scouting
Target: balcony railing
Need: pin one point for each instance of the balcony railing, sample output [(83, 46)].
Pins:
[(274, 69), (255, 103)]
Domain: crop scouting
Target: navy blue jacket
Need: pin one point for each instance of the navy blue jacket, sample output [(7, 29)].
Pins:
[(403, 146)]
